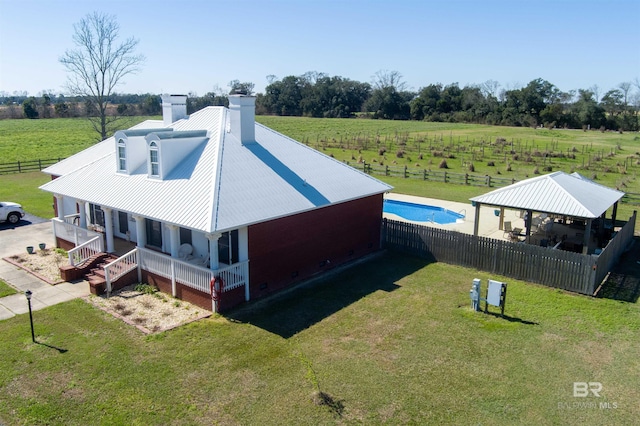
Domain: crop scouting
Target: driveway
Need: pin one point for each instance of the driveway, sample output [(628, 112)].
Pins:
[(14, 239)]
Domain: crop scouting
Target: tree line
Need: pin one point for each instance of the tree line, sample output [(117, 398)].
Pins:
[(539, 103)]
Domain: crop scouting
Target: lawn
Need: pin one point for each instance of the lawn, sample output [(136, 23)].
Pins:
[(391, 341), (6, 289)]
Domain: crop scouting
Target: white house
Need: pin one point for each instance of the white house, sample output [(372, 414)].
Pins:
[(216, 190)]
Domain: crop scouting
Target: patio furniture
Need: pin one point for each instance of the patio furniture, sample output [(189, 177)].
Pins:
[(185, 251), (507, 228)]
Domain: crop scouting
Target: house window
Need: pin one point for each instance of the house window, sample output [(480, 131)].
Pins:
[(122, 156), (185, 236), (123, 222), (154, 166), (96, 214), (154, 233), (228, 248)]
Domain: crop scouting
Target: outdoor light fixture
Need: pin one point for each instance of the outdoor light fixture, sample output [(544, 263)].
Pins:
[(28, 294)]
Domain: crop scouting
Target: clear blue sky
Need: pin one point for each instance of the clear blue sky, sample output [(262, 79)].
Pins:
[(194, 45)]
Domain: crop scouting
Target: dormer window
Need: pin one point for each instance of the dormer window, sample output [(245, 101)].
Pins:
[(122, 156), (154, 165)]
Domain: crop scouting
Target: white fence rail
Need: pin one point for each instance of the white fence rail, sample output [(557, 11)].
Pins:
[(120, 267), (80, 254), (72, 233), (193, 276)]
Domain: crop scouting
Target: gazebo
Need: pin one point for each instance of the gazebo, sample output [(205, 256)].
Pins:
[(555, 196)]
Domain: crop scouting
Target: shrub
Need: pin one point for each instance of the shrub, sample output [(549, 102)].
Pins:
[(509, 169), (472, 167), (547, 169), (382, 150), (399, 153), (491, 164), (145, 288), (443, 164), (420, 157), (536, 171)]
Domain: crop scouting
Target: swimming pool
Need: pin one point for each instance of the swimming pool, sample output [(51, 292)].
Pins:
[(421, 212)]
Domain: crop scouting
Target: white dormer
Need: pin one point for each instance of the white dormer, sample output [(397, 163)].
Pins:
[(165, 150), (131, 148)]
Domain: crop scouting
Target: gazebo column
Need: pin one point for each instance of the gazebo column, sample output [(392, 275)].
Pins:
[(527, 226), (108, 227), (476, 221), (587, 236), (501, 222), (141, 231), (613, 216)]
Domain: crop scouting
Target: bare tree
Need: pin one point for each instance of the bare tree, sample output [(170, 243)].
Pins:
[(595, 89), (98, 65), (490, 87), (384, 79)]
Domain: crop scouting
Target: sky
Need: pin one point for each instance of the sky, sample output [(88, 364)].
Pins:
[(197, 46)]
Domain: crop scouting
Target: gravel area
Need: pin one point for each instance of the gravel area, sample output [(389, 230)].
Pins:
[(148, 309), (45, 264), (141, 306)]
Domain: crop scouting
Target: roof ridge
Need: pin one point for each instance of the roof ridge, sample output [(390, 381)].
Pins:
[(215, 184)]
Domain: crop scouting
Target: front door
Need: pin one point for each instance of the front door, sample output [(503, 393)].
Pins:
[(154, 233)]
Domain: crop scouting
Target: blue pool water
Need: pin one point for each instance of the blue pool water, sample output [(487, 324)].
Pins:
[(421, 212)]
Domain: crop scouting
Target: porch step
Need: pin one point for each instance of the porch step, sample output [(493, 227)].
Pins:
[(96, 278)]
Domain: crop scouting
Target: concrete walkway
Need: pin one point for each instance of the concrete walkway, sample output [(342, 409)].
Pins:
[(13, 240)]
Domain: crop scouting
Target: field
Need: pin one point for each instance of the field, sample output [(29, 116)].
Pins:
[(391, 341)]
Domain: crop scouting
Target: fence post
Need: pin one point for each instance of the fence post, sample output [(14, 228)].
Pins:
[(386, 170), (19, 169), (405, 171), (488, 181), (466, 178), (445, 176)]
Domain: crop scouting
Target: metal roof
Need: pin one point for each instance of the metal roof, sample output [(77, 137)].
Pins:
[(221, 184), (94, 152), (558, 193)]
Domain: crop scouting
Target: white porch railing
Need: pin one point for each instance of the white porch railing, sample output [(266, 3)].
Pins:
[(72, 233), (178, 271), (120, 267), (71, 218), (80, 254)]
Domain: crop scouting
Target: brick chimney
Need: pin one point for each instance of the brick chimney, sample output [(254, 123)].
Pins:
[(242, 117), (174, 108)]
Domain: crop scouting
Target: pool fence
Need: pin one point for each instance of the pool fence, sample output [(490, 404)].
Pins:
[(575, 272)]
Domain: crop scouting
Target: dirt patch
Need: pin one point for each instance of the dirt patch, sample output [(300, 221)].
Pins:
[(148, 309), (44, 264)]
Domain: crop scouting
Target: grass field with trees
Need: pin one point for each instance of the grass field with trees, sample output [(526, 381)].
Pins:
[(391, 341)]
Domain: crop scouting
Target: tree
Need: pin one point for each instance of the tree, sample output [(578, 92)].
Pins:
[(30, 108), (236, 86), (98, 65)]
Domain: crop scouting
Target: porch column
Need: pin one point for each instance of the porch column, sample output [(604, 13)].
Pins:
[(476, 222), (141, 231), (613, 216), (174, 237), (214, 262), (501, 222), (83, 214), (587, 237), (60, 206), (108, 227), (527, 225), (243, 256)]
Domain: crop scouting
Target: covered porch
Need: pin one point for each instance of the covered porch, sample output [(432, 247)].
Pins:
[(179, 261)]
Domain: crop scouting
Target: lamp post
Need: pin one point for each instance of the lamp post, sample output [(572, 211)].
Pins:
[(28, 294)]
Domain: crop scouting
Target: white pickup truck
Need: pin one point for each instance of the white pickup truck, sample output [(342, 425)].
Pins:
[(10, 212)]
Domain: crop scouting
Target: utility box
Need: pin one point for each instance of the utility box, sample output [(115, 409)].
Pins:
[(496, 295)]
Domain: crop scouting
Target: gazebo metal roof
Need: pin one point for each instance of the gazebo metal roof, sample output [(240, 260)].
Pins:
[(557, 193)]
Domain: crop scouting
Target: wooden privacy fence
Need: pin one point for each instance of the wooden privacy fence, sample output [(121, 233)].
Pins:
[(555, 268), (27, 166)]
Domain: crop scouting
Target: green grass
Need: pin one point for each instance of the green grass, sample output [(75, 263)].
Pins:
[(392, 341), (24, 140), (22, 188), (6, 289)]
